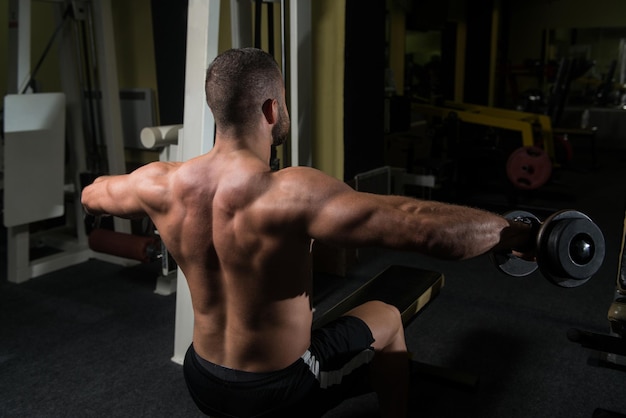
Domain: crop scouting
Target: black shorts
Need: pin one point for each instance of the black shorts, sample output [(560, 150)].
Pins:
[(334, 368)]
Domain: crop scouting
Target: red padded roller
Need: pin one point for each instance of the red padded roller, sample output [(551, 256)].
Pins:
[(123, 245)]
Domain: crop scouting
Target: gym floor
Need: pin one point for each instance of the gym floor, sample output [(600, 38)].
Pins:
[(94, 340)]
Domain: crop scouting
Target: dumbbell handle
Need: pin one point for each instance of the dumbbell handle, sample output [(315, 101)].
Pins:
[(535, 225), (508, 262)]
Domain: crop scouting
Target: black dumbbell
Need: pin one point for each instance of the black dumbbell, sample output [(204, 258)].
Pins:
[(570, 248)]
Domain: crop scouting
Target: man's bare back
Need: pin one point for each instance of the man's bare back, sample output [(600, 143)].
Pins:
[(250, 281), (248, 266)]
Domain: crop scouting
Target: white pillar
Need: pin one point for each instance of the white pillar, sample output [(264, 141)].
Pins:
[(68, 65), (300, 65), (18, 45), (110, 90), (18, 70), (197, 132), (241, 23)]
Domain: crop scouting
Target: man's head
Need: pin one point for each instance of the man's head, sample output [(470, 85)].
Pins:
[(239, 83)]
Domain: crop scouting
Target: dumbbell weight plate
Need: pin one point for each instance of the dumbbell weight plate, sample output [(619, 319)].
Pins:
[(570, 248), (510, 264)]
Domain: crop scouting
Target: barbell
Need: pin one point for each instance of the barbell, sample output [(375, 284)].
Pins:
[(570, 248)]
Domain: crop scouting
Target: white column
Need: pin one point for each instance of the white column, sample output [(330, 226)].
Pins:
[(197, 132), (18, 70), (68, 66), (18, 64), (241, 23), (110, 90), (300, 65)]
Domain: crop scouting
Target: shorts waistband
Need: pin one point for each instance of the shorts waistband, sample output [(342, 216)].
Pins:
[(234, 375)]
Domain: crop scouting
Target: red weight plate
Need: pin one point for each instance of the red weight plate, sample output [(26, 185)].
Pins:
[(528, 168)]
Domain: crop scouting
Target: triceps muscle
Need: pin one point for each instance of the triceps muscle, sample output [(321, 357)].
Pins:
[(113, 195), (356, 219)]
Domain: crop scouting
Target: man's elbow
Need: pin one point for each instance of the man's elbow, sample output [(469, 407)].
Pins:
[(86, 207), (86, 199)]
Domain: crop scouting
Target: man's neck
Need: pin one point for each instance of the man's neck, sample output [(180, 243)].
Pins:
[(257, 145)]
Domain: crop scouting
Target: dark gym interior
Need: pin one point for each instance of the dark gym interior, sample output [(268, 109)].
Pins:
[(94, 339)]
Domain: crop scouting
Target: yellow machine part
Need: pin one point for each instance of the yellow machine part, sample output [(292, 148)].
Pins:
[(522, 122)]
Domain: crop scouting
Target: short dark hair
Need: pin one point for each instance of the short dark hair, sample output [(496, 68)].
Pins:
[(237, 84)]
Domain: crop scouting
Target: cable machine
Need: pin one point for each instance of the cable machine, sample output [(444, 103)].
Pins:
[(40, 186)]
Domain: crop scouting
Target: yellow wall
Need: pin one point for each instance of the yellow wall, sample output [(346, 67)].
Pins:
[(132, 31), (328, 62), (43, 24), (134, 48)]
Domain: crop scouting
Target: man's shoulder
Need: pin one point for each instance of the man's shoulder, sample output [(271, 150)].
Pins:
[(299, 174), (307, 178), (156, 170)]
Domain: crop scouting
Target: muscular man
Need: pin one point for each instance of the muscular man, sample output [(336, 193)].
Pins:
[(242, 234)]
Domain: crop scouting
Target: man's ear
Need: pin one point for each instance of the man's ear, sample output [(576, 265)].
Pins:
[(270, 111)]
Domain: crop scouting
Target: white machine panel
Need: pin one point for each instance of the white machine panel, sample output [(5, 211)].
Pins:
[(34, 157)]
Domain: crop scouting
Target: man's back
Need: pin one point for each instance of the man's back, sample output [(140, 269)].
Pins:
[(244, 256)]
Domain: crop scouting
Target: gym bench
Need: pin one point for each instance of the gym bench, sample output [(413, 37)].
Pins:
[(408, 289)]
